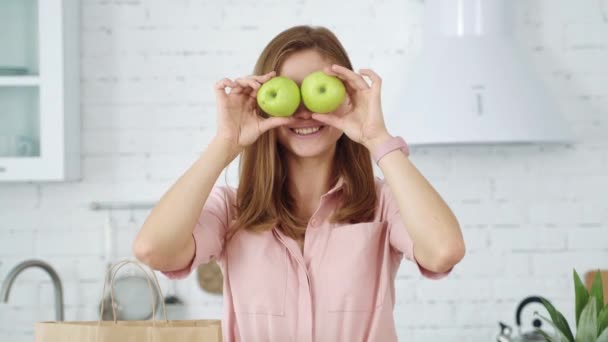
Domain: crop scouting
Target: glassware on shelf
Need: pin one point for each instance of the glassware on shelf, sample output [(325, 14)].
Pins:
[(17, 146), (13, 71)]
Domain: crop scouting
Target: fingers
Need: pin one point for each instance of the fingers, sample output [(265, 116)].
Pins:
[(221, 85), (350, 90), (263, 78), (259, 80), (331, 120), (376, 80), (245, 85), (249, 86), (273, 122), (354, 80), (330, 71)]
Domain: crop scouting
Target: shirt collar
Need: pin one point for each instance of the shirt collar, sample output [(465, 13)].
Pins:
[(336, 187)]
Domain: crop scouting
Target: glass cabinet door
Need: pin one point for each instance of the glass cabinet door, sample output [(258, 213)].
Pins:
[(19, 81), (18, 37), (19, 122)]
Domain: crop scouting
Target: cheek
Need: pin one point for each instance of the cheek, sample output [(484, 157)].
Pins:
[(334, 133), (281, 133)]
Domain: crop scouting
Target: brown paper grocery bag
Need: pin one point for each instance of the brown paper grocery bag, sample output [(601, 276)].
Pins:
[(130, 331)]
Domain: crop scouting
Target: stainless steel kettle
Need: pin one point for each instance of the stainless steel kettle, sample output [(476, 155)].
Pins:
[(506, 331)]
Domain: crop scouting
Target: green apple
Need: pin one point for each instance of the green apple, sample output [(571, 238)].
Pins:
[(322, 93), (280, 96)]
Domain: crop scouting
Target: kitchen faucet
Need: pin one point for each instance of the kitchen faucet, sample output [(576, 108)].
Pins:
[(12, 275)]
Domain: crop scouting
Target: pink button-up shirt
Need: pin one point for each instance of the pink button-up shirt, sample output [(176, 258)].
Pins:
[(341, 288)]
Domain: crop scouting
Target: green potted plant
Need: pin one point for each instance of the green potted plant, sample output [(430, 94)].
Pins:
[(590, 312)]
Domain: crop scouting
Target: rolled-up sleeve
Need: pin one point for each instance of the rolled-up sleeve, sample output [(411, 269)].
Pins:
[(209, 232), (399, 237)]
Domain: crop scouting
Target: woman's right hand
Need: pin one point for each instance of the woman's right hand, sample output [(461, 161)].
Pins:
[(238, 120)]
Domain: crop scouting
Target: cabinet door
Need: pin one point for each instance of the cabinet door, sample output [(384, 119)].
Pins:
[(39, 90)]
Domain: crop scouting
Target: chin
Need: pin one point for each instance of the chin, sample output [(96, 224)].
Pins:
[(307, 151)]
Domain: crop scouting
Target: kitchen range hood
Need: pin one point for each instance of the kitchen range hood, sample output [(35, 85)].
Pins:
[(471, 84)]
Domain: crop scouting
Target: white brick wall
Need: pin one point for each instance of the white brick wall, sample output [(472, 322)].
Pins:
[(529, 213)]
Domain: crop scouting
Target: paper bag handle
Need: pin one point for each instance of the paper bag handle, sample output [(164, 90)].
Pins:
[(111, 275)]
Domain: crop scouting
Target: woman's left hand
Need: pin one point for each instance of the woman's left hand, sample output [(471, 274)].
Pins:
[(360, 117)]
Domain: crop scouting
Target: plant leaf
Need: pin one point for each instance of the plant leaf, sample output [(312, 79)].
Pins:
[(603, 337), (597, 290), (602, 320), (587, 327), (546, 336), (581, 296), (559, 321), (563, 337)]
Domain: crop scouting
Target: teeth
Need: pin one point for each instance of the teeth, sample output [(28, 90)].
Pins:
[(306, 131)]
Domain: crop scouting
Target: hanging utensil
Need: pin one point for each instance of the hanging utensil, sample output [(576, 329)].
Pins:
[(129, 303)]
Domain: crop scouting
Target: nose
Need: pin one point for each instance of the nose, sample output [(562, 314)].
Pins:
[(303, 113)]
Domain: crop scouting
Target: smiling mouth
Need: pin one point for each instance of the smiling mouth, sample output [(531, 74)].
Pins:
[(307, 130)]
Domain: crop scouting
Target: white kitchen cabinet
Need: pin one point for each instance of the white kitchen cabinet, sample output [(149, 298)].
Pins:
[(39, 90)]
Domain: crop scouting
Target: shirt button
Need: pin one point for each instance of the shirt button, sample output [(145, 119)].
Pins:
[(314, 222)]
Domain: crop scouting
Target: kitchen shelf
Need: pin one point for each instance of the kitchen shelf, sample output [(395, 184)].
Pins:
[(121, 205), (18, 81)]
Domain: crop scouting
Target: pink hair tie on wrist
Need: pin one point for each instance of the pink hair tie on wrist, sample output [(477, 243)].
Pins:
[(388, 146)]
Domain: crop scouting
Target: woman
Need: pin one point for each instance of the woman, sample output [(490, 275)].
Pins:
[(310, 242)]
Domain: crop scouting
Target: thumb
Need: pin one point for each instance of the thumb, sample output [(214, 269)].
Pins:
[(328, 119), (273, 122)]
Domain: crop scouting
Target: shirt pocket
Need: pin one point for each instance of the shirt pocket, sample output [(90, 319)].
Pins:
[(257, 274), (353, 261)]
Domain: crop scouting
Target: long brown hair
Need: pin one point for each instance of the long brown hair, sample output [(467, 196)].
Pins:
[(263, 200)]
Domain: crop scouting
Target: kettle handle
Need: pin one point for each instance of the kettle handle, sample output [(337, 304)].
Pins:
[(532, 299)]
